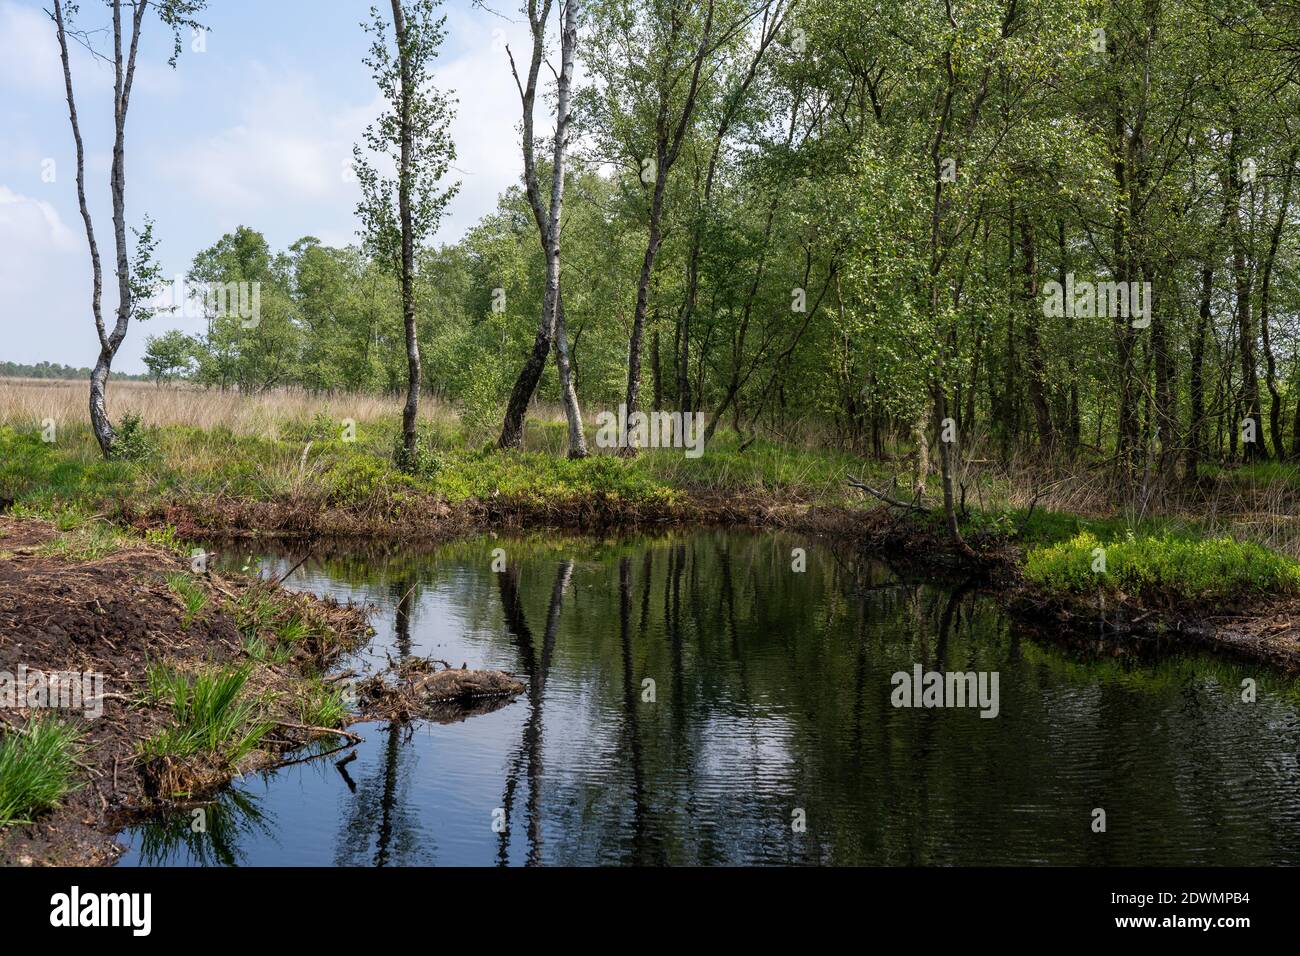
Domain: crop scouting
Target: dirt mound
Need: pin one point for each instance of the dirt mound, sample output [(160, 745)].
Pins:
[(112, 616)]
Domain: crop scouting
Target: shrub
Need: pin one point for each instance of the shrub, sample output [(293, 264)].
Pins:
[(363, 480), (426, 462), (132, 441)]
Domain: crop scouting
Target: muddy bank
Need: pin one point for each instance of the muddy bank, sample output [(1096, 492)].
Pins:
[(1264, 629), (113, 615), (429, 520)]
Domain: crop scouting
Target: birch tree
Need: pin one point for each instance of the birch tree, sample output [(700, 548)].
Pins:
[(400, 214), (135, 274), (551, 332)]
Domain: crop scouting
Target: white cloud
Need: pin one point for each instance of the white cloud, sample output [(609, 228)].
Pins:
[(289, 154), (29, 50), (44, 284), (486, 128), (34, 218), (287, 148)]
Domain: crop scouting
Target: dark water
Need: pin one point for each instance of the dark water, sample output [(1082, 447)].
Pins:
[(772, 704)]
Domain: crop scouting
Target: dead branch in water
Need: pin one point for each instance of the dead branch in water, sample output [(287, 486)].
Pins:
[(320, 730)]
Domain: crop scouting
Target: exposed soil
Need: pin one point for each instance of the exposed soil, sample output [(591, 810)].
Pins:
[(111, 616)]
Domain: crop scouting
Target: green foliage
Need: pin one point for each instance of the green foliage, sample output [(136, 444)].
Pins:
[(191, 592), (362, 480), (426, 461), (210, 715), (49, 477), (1193, 569), (170, 355), (166, 537), (37, 768), (266, 651), (133, 442), (88, 542), (322, 705)]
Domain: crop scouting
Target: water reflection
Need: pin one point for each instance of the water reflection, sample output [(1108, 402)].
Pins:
[(689, 696)]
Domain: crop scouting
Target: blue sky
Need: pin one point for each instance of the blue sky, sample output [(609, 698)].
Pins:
[(256, 130)]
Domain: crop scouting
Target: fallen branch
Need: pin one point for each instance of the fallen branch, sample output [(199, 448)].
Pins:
[(320, 730), (888, 499)]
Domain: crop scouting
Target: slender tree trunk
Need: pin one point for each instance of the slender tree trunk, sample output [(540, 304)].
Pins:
[(1266, 280), (667, 146), (123, 79), (1033, 347), (564, 87), (550, 328), (1253, 450), (568, 387), (1196, 385), (411, 410), (633, 394)]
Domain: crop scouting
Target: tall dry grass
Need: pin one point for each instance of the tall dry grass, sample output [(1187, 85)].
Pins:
[(29, 402)]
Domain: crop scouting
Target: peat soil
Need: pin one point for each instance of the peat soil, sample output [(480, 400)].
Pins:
[(115, 614), (112, 615)]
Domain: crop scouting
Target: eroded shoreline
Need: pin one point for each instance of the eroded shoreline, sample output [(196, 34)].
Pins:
[(122, 601)]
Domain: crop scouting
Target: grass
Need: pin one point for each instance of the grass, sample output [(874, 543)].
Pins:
[(275, 627), (267, 652), (1182, 567), (90, 542), (192, 595), (37, 769), (289, 446), (211, 715), (322, 705)]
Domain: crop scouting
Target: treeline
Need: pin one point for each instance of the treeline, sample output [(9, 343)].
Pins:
[(1054, 226), (55, 371)]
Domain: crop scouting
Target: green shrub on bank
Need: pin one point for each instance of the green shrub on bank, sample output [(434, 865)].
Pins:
[(133, 442), (424, 461), (363, 480), (1168, 566), (541, 478), (37, 768)]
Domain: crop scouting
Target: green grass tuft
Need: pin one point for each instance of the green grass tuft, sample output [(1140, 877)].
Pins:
[(37, 768), (191, 593), (211, 717)]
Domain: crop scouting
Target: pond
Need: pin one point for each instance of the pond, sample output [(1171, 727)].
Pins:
[(716, 697)]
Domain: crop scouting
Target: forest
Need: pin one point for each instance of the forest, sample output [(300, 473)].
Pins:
[(850, 220), (814, 347)]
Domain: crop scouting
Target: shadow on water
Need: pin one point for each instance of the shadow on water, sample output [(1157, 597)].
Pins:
[(703, 699)]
